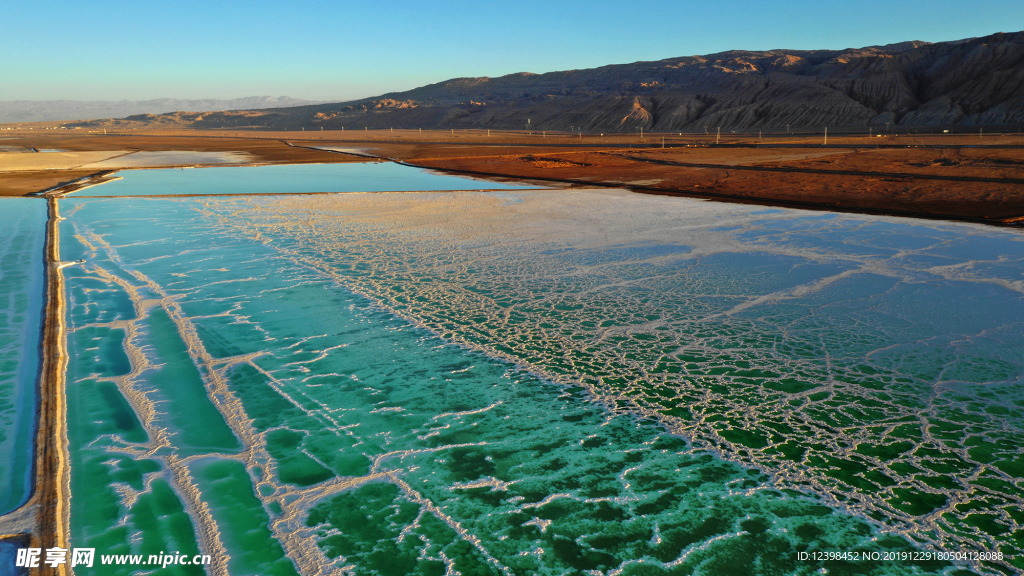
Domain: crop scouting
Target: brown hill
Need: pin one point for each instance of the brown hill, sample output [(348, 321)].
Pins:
[(974, 82)]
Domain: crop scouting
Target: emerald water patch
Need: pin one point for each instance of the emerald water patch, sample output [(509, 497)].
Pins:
[(370, 385), (813, 348)]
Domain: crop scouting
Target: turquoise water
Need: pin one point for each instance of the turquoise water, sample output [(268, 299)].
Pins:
[(22, 288), (869, 360), (291, 178), (247, 388)]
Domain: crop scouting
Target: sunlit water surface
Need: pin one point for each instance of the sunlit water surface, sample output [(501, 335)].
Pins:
[(484, 382), (22, 285), (286, 178)]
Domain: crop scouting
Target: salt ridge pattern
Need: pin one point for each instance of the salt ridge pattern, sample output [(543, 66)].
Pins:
[(232, 390), (868, 360)]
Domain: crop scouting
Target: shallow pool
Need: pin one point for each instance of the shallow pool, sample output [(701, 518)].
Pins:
[(539, 382), (22, 291), (282, 179)]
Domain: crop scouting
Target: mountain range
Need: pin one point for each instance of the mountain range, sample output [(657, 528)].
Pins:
[(971, 82)]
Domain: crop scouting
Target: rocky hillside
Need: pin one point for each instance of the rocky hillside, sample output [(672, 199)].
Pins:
[(978, 81)]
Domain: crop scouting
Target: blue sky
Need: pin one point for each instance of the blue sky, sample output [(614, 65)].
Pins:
[(344, 50)]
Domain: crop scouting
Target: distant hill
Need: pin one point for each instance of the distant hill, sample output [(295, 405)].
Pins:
[(47, 110), (977, 81)]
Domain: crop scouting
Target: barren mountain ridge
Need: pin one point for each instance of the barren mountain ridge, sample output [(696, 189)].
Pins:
[(973, 82)]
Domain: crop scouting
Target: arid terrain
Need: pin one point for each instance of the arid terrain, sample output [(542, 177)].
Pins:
[(977, 178), (964, 183), (913, 128), (957, 85)]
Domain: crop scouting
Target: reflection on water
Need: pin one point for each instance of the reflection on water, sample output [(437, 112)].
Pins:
[(280, 179), (22, 281), (171, 158), (257, 370)]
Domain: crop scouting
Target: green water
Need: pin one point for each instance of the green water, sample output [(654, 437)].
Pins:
[(251, 397), (22, 288), (870, 361)]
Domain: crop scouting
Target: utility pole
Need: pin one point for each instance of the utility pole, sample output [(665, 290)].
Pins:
[(662, 141), (718, 135), (826, 137), (641, 132)]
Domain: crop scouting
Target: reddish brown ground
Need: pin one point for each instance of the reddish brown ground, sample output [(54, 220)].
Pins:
[(967, 183), (964, 183), (28, 182)]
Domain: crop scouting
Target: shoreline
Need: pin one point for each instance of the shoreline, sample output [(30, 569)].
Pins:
[(1013, 221), (79, 184), (935, 177)]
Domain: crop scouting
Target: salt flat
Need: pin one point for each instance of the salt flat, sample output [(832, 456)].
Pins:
[(19, 161), (172, 158), (533, 381)]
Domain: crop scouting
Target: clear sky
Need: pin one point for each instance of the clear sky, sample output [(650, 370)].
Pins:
[(319, 50)]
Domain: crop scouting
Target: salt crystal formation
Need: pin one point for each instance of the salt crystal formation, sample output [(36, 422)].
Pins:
[(539, 382)]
